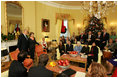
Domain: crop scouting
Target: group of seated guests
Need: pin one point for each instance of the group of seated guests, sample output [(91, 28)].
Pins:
[(103, 40), (91, 53), (17, 68)]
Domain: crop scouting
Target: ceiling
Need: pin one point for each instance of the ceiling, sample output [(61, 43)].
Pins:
[(69, 3)]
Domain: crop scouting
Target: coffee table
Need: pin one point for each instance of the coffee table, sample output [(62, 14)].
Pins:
[(56, 69), (75, 59)]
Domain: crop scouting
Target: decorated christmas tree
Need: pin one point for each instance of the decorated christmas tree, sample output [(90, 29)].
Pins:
[(94, 25)]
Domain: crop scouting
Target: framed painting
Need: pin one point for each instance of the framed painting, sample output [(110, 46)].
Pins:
[(45, 25)]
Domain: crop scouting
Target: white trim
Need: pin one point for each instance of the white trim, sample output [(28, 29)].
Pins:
[(49, 3)]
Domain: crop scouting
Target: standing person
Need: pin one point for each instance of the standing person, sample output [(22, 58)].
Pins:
[(32, 43), (81, 38), (73, 36), (113, 35), (61, 48), (22, 44), (63, 39), (105, 38), (89, 38), (98, 39), (17, 68)]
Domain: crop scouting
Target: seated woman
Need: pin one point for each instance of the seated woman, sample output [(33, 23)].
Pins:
[(44, 43), (78, 47), (69, 47), (110, 45), (85, 49), (96, 70), (92, 55), (61, 48)]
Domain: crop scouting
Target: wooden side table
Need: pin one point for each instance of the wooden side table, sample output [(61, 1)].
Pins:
[(5, 66)]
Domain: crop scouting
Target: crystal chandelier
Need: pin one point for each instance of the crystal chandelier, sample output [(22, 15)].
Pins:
[(98, 8)]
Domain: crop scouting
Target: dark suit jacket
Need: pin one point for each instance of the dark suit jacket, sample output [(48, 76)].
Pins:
[(81, 37), (32, 43), (97, 41), (17, 69), (85, 50), (69, 48), (94, 51), (62, 48), (22, 43), (92, 39), (39, 71), (106, 37), (96, 37)]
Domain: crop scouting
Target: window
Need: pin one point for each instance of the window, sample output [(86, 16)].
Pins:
[(67, 34)]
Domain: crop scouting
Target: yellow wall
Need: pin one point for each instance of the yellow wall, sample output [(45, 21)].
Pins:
[(34, 12)]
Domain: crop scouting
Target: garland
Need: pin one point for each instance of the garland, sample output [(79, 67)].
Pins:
[(10, 36)]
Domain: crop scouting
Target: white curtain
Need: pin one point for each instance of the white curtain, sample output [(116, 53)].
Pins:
[(71, 27), (58, 29)]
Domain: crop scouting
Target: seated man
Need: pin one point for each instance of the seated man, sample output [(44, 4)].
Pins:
[(41, 71), (92, 55), (16, 68), (78, 47), (69, 47), (85, 49)]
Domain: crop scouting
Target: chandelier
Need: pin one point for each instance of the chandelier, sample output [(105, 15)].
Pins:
[(98, 8)]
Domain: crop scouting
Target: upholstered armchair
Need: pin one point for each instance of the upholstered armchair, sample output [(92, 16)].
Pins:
[(13, 55), (39, 50)]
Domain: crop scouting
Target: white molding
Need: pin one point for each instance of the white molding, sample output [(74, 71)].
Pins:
[(49, 3)]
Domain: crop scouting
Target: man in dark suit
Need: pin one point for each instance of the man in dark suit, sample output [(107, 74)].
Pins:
[(17, 68), (41, 70), (89, 38), (92, 55), (81, 38), (105, 38), (98, 39), (69, 47), (23, 41)]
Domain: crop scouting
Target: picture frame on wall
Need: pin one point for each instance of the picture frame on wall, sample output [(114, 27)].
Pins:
[(45, 25)]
